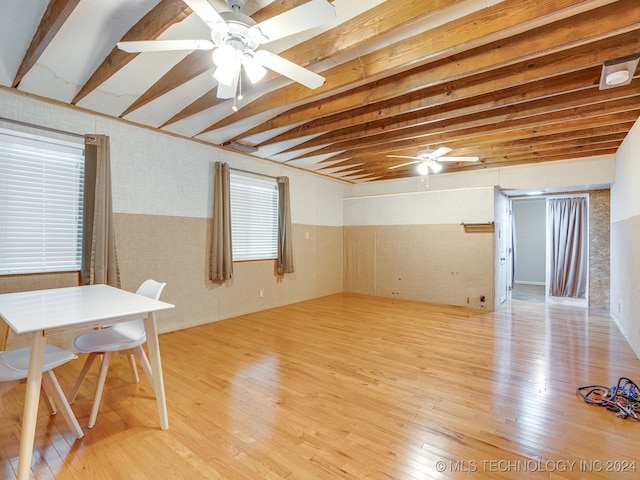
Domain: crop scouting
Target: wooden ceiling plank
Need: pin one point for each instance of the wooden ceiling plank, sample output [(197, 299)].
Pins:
[(478, 28), (352, 34), (480, 104), (526, 161), (486, 154), (500, 132), (542, 68), (56, 13), (497, 140), (382, 168), (165, 14), (565, 106)]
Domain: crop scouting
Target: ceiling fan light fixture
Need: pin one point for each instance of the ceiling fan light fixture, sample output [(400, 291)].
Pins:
[(224, 75), (256, 35), (423, 168), (225, 56), (255, 71)]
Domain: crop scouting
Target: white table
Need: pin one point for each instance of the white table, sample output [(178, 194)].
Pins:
[(49, 312)]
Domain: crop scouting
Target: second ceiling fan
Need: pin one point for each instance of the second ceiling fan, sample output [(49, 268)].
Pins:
[(235, 39), (428, 160)]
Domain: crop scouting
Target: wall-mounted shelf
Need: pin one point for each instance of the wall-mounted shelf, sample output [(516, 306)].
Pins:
[(488, 227)]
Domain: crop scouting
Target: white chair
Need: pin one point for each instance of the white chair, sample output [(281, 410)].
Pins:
[(122, 338), (14, 367)]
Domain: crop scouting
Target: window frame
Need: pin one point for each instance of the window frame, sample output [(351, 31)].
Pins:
[(254, 211), (41, 204)]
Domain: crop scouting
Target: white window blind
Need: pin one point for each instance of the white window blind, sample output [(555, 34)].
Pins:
[(41, 195), (254, 218)]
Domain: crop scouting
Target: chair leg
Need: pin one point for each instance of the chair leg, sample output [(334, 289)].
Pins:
[(82, 376), (52, 388), (104, 366), (134, 369), (144, 363), (48, 399)]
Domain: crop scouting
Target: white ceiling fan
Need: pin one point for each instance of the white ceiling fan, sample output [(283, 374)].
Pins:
[(235, 39), (426, 160)]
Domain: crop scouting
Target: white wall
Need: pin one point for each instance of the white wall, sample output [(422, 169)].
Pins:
[(625, 239), (530, 217)]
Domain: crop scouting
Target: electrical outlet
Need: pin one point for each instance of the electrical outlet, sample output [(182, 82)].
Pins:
[(261, 294)]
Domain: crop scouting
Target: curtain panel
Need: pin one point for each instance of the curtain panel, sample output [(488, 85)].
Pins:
[(285, 249), (99, 258), (221, 258), (568, 256)]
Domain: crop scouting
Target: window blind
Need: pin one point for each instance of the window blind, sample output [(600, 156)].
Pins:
[(41, 195), (254, 218)]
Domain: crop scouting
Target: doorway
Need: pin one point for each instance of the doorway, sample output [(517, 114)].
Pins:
[(529, 249), (550, 249)]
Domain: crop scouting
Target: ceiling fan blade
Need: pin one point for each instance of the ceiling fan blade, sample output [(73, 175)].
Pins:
[(434, 166), (289, 69), (439, 152), (458, 159), (403, 156), (164, 45), (405, 164), (304, 17), (229, 91), (207, 13)]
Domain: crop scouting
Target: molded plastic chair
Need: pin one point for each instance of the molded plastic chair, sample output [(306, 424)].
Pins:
[(122, 338), (14, 367)]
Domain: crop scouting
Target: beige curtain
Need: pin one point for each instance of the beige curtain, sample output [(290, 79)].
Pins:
[(99, 259), (568, 250), (221, 259), (285, 255)]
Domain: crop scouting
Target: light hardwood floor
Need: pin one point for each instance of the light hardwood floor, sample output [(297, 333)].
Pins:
[(355, 387)]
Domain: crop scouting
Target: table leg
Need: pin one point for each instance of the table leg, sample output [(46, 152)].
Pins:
[(156, 368), (32, 397)]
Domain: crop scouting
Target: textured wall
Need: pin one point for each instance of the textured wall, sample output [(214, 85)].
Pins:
[(599, 249), (428, 263), (625, 239), (175, 250)]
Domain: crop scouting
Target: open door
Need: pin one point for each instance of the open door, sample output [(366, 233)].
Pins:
[(502, 248)]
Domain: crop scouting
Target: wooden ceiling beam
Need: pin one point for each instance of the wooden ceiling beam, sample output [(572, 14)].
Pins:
[(165, 14), (479, 28), (409, 90), (494, 152), (500, 132), (191, 66), (52, 21), (579, 83), (547, 110)]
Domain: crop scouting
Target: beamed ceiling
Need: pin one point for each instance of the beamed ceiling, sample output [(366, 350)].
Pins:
[(512, 82)]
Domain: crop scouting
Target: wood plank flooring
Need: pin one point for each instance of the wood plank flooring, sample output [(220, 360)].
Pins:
[(353, 387)]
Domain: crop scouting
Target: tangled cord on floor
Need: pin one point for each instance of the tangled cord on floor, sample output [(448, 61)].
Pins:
[(623, 398)]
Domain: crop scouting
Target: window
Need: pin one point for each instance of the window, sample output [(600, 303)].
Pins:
[(254, 218), (41, 195)]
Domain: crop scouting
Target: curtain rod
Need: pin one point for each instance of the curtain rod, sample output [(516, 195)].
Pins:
[(40, 127), (253, 173)]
